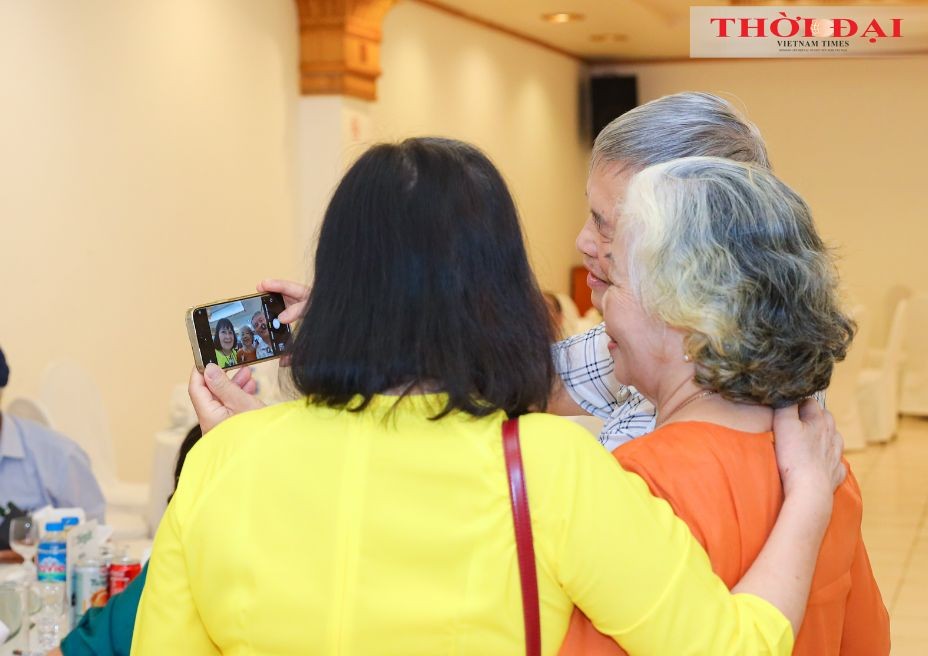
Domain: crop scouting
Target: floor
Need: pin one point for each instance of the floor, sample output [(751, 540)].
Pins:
[(894, 482)]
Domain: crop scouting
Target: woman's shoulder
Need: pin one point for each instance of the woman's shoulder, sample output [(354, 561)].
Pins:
[(236, 442), (683, 456), (556, 448), (247, 421), (697, 439), (255, 426), (557, 434)]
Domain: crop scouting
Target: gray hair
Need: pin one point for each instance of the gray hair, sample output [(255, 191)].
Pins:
[(681, 125), (728, 253)]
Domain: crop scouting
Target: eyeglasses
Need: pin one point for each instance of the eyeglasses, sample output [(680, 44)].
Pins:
[(261, 326)]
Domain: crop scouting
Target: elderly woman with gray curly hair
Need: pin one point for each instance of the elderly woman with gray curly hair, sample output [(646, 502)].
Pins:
[(722, 306)]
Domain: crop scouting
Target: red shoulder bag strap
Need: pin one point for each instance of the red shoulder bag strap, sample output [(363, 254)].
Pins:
[(524, 545)]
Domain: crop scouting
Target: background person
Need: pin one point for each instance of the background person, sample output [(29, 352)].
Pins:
[(679, 125), (39, 467), (723, 305), (408, 373), (263, 337), (224, 340), (247, 352)]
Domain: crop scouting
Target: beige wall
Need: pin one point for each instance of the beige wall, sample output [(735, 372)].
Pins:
[(518, 102), (149, 145), (147, 153), (851, 136), (150, 161)]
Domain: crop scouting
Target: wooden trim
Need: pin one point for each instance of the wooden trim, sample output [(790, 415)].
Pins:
[(815, 3), (595, 61), (717, 60), (661, 60), (499, 28)]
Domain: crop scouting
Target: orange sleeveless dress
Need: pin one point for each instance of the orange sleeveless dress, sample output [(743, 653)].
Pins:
[(725, 485)]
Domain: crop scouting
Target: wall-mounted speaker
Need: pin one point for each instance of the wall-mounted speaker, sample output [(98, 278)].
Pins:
[(611, 96)]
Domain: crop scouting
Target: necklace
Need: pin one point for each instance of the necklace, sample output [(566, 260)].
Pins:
[(692, 399)]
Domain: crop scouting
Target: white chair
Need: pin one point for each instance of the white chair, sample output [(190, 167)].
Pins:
[(181, 414), (181, 418), (29, 409), (842, 399), (878, 385), (126, 525), (75, 405), (167, 443), (913, 393)]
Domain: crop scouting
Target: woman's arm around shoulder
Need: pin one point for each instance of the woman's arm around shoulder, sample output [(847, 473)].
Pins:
[(627, 561), (639, 575)]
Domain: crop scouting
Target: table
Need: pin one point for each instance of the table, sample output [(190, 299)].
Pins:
[(136, 548), (17, 643)]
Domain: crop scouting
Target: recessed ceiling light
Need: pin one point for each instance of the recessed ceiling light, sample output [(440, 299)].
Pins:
[(562, 17)]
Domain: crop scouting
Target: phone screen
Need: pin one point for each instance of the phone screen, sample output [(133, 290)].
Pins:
[(241, 331)]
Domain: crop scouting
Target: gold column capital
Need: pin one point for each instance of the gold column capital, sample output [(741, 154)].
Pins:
[(340, 46)]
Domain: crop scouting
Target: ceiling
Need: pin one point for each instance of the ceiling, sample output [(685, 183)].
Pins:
[(612, 29)]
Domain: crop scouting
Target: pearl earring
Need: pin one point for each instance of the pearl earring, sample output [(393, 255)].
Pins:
[(686, 357)]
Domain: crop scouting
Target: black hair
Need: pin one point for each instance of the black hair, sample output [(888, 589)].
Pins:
[(193, 436), (4, 371), (421, 277), (224, 323)]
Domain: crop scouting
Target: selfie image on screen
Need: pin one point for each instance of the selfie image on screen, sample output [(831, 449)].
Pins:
[(242, 332)]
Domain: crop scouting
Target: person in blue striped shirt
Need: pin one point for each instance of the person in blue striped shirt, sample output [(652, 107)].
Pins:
[(39, 467)]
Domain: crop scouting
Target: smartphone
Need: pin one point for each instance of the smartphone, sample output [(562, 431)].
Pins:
[(238, 331)]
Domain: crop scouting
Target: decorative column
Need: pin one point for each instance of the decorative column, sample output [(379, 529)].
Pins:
[(340, 46), (339, 67)]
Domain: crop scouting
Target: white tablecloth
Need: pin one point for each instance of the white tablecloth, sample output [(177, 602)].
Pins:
[(17, 643)]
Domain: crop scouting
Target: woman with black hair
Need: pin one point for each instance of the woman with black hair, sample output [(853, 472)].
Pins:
[(373, 516), (224, 341)]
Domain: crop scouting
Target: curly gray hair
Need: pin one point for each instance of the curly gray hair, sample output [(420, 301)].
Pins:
[(680, 125), (729, 253)]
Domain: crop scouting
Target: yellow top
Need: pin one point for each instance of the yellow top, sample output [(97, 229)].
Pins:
[(304, 530)]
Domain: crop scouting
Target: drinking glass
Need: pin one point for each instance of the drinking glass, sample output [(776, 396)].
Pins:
[(24, 540), (11, 610)]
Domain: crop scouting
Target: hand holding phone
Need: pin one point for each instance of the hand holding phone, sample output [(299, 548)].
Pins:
[(294, 295), (238, 331), (216, 397)]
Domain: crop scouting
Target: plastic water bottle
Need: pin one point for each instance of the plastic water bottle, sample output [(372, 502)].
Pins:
[(67, 523), (52, 557), (49, 621)]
